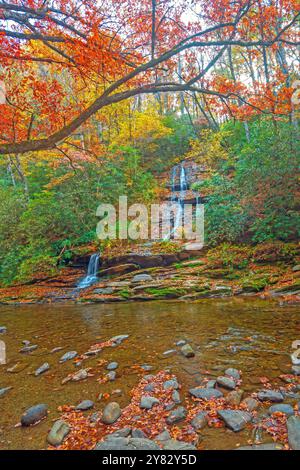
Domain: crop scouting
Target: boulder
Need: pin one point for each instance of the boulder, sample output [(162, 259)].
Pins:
[(34, 415), (226, 382), (233, 373), (177, 415), (270, 395), (199, 421), (142, 278), (148, 402), (250, 403), (281, 408), (205, 393), (293, 426), (111, 413), (235, 420), (171, 385), (58, 433), (235, 397)]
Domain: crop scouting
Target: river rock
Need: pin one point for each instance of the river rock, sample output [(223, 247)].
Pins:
[(211, 384), (269, 446), (58, 433), (104, 291), (187, 351), (112, 366), (199, 421), (173, 444), (176, 397), (28, 349), (126, 443), (205, 393), (142, 278), (85, 405), (293, 426), (124, 432), (4, 390), (82, 374), (150, 387), (281, 408), (42, 369), (250, 403), (235, 397), (270, 395), (233, 373), (147, 367), (3, 330), (148, 402), (235, 420), (55, 350), (171, 385), (177, 415), (68, 356), (111, 413), (111, 376), (34, 414), (138, 434), (119, 339), (296, 370), (226, 382)]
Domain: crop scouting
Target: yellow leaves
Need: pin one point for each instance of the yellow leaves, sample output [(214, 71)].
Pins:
[(209, 149)]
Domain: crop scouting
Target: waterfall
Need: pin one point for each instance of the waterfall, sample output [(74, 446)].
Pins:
[(92, 272), (179, 201)]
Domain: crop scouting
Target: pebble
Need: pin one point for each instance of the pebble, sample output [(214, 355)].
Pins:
[(4, 390), (111, 376), (28, 349), (68, 356), (187, 351), (112, 366), (44, 368), (111, 413), (3, 330), (85, 405)]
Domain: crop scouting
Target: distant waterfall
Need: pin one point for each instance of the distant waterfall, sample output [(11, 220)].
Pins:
[(178, 200), (92, 272)]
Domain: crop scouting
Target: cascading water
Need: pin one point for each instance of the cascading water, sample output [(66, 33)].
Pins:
[(92, 272), (178, 200)]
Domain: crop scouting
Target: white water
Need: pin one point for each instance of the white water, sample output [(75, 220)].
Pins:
[(92, 272), (178, 201)]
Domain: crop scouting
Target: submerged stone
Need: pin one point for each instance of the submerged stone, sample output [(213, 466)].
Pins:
[(235, 420), (34, 414)]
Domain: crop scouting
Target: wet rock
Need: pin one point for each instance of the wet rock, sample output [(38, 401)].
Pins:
[(296, 370), (281, 408), (176, 397), (269, 446), (104, 291), (34, 414), (270, 395), (3, 330), (181, 343), (58, 433), (148, 402), (199, 421), (171, 385), (235, 397), (233, 373), (138, 434), (149, 387), (250, 403), (82, 374), (3, 391), (119, 270), (68, 356), (293, 426), (119, 339), (85, 405), (177, 415), (126, 443), (124, 432), (211, 384), (163, 436), (112, 366), (111, 413), (28, 349), (142, 278), (172, 444), (226, 382), (187, 351), (235, 420), (111, 376), (205, 393), (43, 368)]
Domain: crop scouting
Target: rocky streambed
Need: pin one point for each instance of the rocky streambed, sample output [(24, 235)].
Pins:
[(210, 375)]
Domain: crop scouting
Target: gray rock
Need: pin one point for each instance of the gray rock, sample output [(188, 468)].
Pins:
[(296, 370), (226, 382), (104, 291), (211, 384), (235, 420), (126, 443), (293, 426), (4, 390), (95, 417), (233, 373), (180, 343), (270, 446), (187, 351), (281, 408), (111, 376), (149, 387), (68, 356), (142, 278), (138, 434), (119, 339), (270, 395), (58, 433), (205, 393), (163, 436), (85, 405), (199, 421), (146, 367), (111, 413), (28, 349), (250, 403), (34, 414), (124, 432), (3, 330), (177, 415), (171, 385), (172, 444), (176, 397), (112, 366), (235, 397), (148, 402), (42, 369)]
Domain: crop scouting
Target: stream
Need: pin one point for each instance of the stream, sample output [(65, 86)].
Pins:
[(255, 336)]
